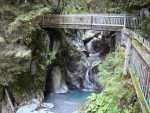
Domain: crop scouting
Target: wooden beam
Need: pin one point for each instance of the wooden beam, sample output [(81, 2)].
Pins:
[(9, 101)]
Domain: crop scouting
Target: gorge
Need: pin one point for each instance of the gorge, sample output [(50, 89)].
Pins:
[(81, 54), (47, 69), (73, 75)]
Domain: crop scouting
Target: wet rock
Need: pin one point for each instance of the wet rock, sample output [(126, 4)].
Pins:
[(90, 45), (76, 71), (2, 40), (36, 107), (80, 65), (90, 34), (47, 105)]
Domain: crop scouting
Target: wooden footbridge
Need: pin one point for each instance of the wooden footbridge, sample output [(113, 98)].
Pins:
[(109, 22)]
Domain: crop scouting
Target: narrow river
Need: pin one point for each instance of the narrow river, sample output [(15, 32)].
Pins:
[(69, 102)]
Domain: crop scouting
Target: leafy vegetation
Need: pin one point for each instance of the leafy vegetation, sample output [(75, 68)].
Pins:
[(74, 6), (146, 27), (32, 14), (118, 95)]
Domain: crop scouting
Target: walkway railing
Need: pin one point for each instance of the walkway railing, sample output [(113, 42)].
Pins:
[(142, 72), (91, 21), (139, 64)]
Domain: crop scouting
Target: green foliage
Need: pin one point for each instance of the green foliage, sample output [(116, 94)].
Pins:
[(129, 4), (1, 92), (146, 27), (51, 57), (24, 18), (75, 6), (118, 93), (116, 5), (22, 84), (137, 2), (38, 10)]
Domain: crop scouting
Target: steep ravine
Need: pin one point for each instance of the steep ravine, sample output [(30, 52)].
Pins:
[(74, 69), (75, 61), (34, 63)]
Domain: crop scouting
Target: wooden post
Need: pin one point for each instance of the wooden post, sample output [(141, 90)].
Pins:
[(9, 101), (127, 56), (125, 21)]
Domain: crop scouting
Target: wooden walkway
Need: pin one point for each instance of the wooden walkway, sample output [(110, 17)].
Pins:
[(109, 22)]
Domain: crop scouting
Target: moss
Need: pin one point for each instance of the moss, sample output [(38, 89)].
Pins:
[(74, 6), (1, 92), (145, 26), (28, 17), (21, 85), (142, 50)]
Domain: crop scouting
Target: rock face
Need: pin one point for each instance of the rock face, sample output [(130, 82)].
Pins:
[(36, 107), (59, 85), (80, 65), (76, 70), (21, 69), (23, 54), (76, 60)]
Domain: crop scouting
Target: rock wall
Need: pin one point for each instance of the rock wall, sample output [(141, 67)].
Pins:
[(24, 49)]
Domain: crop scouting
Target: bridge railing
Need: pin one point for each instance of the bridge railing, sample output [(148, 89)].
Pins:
[(91, 20), (133, 22), (108, 20), (67, 19)]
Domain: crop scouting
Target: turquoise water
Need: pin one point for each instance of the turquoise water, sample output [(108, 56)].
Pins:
[(78, 96), (69, 102)]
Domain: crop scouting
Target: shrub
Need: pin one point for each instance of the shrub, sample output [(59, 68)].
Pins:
[(118, 93), (145, 26)]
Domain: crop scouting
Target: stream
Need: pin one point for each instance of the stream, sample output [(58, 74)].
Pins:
[(69, 102)]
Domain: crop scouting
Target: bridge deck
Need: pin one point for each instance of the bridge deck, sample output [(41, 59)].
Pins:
[(94, 21)]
